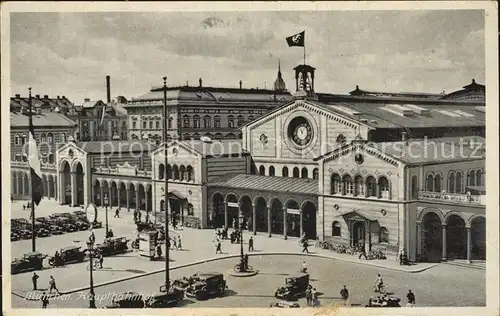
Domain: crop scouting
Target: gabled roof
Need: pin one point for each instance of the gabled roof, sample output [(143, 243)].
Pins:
[(267, 183), (44, 119)]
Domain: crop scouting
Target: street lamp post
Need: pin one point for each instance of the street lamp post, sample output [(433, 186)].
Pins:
[(106, 206), (90, 247), (242, 257)]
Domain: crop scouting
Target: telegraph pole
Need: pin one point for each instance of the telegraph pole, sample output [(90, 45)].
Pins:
[(165, 176)]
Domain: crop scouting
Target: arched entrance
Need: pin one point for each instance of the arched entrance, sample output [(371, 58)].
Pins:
[(141, 204), (432, 237), (132, 195), (97, 193), (79, 184), (149, 198), (277, 218), (66, 183), (114, 194), (105, 191), (52, 189), (232, 210), (123, 195), (216, 217), (293, 218), (45, 185), (247, 211), (309, 219), (478, 238), (26, 183), (456, 238), (358, 233), (13, 184), (261, 214)]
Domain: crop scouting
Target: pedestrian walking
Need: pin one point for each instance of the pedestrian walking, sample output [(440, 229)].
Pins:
[(174, 243), (216, 235), (309, 295), (219, 248), (305, 244), (315, 301), (52, 285), (250, 244), (363, 253), (147, 217), (101, 260), (24, 207), (45, 300), (92, 238), (174, 223), (139, 215), (34, 279), (179, 242), (411, 299), (158, 251), (344, 293), (117, 213)]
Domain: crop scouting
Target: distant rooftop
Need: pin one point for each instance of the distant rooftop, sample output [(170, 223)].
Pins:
[(44, 119)]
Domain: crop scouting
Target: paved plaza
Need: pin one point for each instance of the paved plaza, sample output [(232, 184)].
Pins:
[(328, 272)]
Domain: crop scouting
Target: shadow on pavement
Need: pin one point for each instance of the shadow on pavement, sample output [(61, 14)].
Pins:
[(228, 293)]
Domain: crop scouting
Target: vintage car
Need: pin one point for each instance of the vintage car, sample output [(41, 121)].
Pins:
[(19, 221), (81, 224), (207, 285), (70, 254), (165, 298), (127, 300), (66, 224), (43, 219), (384, 301), (29, 262), (56, 230), (24, 233), (113, 246), (295, 287), (183, 283), (14, 236), (285, 304), (42, 230), (96, 224)]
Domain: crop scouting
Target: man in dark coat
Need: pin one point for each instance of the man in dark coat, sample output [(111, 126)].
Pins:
[(250, 244), (34, 279), (411, 298), (345, 295)]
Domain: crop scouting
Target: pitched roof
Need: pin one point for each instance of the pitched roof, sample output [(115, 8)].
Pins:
[(267, 183), (118, 146), (42, 101), (45, 119)]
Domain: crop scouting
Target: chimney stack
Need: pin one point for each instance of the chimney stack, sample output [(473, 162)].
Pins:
[(18, 96), (108, 88), (200, 81), (37, 96), (241, 83), (46, 96)]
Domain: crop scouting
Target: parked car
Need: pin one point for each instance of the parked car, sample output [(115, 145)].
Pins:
[(208, 284), (97, 224), (66, 224), (113, 246), (56, 230), (82, 225), (165, 298), (183, 283), (14, 236), (29, 262), (70, 254), (295, 286), (384, 301), (24, 233), (42, 230), (285, 304), (127, 300)]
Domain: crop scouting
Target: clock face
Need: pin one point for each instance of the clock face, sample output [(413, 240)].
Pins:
[(300, 131)]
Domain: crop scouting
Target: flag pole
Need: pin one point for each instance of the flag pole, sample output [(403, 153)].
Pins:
[(30, 131), (304, 52), (165, 176)]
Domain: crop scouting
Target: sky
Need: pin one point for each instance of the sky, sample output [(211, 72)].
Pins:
[(412, 51)]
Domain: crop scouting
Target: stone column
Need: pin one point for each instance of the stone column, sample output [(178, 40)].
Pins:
[(73, 188), (137, 201), (118, 196), (468, 244), (127, 192), (101, 197), (146, 192), (49, 191), (14, 185), (269, 221), (443, 257), (225, 214), (302, 224), (254, 219), (56, 195), (285, 223), (369, 226), (419, 239)]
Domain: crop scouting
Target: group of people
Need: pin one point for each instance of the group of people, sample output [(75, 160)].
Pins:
[(312, 296), (173, 243), (403, 258), (221, 234), (52, 287)]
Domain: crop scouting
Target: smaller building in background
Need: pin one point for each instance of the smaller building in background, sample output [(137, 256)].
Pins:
[(59, 104)]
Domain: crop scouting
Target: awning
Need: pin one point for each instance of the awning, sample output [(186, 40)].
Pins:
[(176, 195), (358, 215)]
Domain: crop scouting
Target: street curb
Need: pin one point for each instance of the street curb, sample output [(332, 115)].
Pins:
[(236, 256)]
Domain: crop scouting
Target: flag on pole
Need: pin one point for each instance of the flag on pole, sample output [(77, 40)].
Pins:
[(297, 39), (35, 168)]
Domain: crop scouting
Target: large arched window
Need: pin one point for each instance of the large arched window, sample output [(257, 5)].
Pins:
[(437, 183), (471, 178), (64, 139), (371, 186), (176, 172), (196, 121), (479, 178), (18, 157), (230, 121), (43, 138), (458, 183), (304, 173), (359, 186), (262, 170), (241, 120), (17, 140), (383, 235), (51, 158), (315, 174), (414, 187), (429, 184), (271, 171), (161, 171), (25, 139), (451, 182), (336, 184), (207, 121), (50, 138), (170, 122), (383, 187), (185, 121), (347, 185), (169, 172), (190, 173), (336, 229), (284, 172), (190, 209), (217, 121), (296, 172), (182, 171)]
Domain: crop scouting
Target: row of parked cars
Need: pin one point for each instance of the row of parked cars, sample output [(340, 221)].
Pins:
[(54, 224)]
